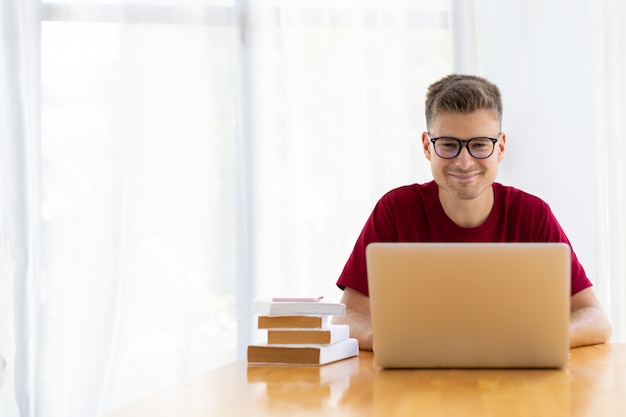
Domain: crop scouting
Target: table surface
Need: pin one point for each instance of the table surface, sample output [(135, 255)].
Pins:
[(593, 384)]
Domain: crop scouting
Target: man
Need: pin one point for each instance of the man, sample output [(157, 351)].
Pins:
[(464, 144)]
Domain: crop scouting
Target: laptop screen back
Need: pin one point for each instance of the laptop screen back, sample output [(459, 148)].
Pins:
[(477, 305)]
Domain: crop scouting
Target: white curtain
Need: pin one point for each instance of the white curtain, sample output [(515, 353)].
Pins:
[(17, 253), (608, 57), (336, 109), (121, 215), (163, 163)]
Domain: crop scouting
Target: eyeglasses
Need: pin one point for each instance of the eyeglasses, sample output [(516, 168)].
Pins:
[(479, 148)]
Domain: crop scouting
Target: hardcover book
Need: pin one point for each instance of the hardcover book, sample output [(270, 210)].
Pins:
[(278, 308), (332, 334), (302, 354), (292, 322)]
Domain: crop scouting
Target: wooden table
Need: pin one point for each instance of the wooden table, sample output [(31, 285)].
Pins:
[(593, 384)]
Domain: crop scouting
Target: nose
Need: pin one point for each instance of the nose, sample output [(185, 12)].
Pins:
[(464, 159)]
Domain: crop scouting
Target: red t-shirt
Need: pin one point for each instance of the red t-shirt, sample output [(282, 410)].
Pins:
[(413, 213)]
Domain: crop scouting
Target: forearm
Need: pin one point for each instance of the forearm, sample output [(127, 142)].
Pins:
[(360, 327), (588, 326)]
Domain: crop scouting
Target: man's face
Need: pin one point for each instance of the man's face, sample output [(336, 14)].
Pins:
[(464, 177)]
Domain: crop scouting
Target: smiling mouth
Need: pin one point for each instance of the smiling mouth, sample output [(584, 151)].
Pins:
[(463, 176)]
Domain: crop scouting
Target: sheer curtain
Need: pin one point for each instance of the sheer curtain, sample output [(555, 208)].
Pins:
[(118, 201), (164, 162), (17, 253), (336, 103), (608, 53)]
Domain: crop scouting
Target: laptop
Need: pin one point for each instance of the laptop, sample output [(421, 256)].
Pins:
[(469, 305)]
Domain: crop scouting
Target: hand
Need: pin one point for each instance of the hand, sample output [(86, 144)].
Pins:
[(357, 317)]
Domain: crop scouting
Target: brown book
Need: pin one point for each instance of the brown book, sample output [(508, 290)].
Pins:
[(332, 334), (292, 322), (302, 354)]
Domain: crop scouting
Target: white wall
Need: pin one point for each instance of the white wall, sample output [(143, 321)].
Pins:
[(537, 52)]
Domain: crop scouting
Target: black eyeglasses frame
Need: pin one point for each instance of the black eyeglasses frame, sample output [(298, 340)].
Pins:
[(464, 144)]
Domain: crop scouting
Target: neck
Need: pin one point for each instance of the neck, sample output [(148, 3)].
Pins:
[(467, 212)]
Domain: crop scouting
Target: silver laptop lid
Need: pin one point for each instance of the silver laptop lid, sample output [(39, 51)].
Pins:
[(458, 305)]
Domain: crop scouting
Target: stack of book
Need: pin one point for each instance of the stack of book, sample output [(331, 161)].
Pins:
[(300, 333)]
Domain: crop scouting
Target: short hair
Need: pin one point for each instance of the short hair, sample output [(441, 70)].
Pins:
[(458, 93)]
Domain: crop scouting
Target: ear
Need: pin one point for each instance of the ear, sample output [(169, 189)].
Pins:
[(426, 145), (501, 147)]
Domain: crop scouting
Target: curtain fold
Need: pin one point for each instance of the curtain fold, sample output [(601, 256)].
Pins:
[(608, 86), (19, 198)]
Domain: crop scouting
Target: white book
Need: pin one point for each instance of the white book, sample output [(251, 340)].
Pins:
[(283, 308), (332, 334), (302, 354)]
